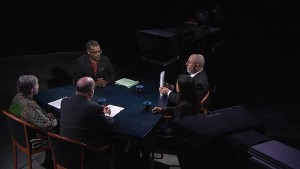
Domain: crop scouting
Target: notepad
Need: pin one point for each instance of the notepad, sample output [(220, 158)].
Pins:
[(114, 110), (126, 82)]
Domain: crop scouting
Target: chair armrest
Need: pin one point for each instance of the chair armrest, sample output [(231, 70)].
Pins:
[(102, 148), (167, 117)]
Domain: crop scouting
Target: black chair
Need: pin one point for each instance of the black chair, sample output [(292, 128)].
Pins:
[(164, 144), (168, 139), (70, 153), (23, 138)]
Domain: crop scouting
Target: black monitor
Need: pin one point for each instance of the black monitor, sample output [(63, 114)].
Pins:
[(158, 46)]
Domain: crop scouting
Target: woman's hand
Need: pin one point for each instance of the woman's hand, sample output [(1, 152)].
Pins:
[(156, 110)]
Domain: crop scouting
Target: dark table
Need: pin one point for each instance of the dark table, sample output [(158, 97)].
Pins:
[(133, 122)]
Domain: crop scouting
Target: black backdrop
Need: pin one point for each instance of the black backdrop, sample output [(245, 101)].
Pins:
[(29, 27)]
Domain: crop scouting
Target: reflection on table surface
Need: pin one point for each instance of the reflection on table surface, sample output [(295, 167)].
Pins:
[(133, 121)]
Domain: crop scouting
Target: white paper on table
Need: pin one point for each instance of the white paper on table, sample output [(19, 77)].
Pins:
[(114, 110), (56, 103)]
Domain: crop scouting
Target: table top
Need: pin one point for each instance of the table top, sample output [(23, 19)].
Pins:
[(133, 121)]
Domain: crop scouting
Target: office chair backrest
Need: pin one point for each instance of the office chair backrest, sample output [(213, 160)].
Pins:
[(70, 153), (67, 152), (18, 130)]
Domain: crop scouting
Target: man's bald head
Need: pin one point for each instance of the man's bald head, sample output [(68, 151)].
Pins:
[(84, 85), (198, 59)]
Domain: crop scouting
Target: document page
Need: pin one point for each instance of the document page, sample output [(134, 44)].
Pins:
[(56, 103), (114, 110), (162, 79)]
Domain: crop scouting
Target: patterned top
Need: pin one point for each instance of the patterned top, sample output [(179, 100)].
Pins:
[(30, 111)]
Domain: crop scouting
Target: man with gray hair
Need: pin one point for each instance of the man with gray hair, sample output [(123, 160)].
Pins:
[(194, 67)]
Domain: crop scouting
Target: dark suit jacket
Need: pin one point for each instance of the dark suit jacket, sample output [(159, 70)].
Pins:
[(202, 87), (105, 70), (184, 110), (85, 121)]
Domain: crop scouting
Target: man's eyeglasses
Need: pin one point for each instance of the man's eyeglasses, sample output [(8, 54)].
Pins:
[(96, 52)]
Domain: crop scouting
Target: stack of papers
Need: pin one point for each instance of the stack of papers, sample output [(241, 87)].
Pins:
[(126, 82)]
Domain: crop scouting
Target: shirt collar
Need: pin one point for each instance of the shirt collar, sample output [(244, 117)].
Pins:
[(194, 74)]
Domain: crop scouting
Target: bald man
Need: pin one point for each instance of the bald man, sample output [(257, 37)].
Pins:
[(194, 67), (83, 119)]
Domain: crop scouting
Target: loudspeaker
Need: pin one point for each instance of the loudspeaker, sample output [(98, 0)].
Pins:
[(200, 139)]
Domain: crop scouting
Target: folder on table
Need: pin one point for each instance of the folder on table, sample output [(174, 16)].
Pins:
[(126, 82)]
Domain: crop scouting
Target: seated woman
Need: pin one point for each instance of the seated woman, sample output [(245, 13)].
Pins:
[(187, 105), (24, 106)]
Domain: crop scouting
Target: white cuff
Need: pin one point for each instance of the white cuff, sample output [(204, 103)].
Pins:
[(169, 93)]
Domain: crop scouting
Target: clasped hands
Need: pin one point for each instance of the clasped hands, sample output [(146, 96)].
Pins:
[(101, 82), (52, 119)]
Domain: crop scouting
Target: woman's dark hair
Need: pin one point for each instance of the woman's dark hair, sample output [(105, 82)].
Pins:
[(188, 93)]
